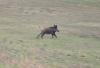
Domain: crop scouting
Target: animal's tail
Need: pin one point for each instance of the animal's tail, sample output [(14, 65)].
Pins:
[(38, 35)]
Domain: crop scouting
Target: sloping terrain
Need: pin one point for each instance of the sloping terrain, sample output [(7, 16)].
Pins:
[(78, 42)]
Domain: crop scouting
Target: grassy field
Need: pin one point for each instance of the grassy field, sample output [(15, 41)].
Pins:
[(78, 42)]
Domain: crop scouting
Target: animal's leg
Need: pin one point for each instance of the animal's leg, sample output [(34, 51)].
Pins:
[(55, 35), (42, 35), (52, 35)]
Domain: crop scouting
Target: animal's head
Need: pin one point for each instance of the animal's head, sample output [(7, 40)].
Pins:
[(56, 28)]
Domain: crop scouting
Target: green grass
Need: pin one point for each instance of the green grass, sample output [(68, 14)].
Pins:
[(2, 66), (19, 43), (55, 53), (77, 45)]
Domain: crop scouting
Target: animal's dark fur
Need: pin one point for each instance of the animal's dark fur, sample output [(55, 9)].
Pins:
[(49, 30)]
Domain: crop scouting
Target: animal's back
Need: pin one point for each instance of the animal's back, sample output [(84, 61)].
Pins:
[(48, 30)]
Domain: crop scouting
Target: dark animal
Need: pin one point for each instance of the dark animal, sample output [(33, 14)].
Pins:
[(50, 30)]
